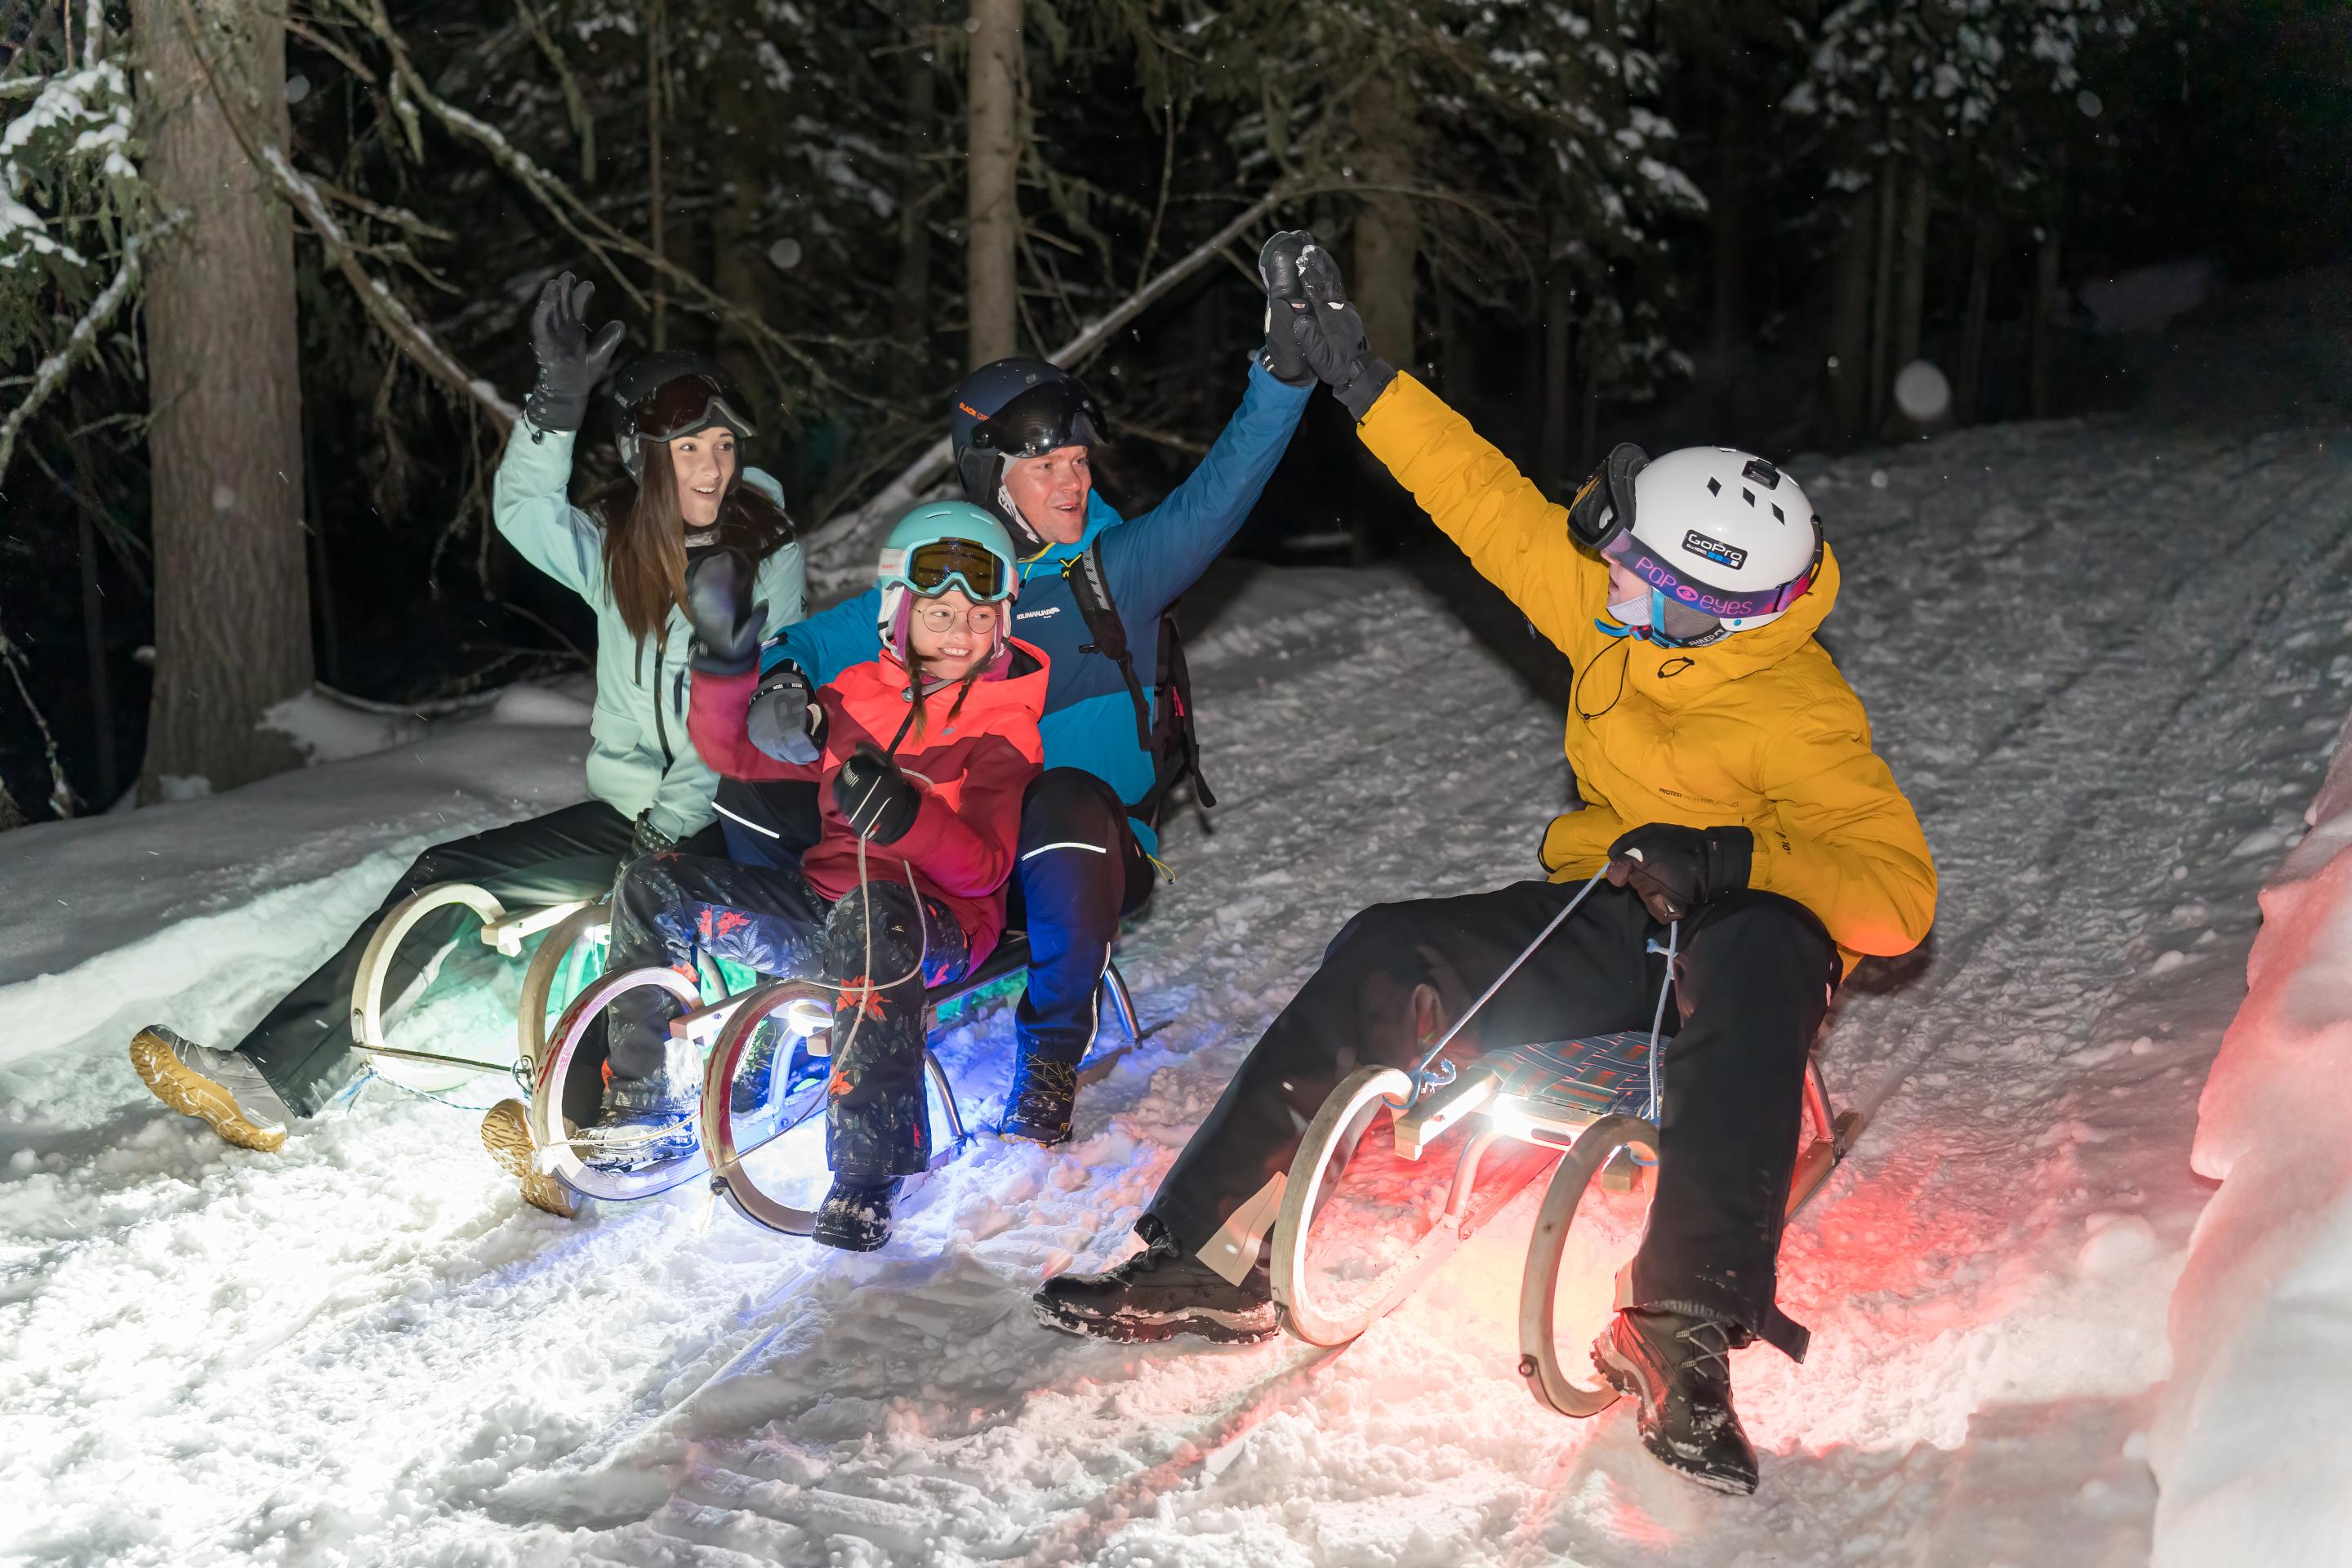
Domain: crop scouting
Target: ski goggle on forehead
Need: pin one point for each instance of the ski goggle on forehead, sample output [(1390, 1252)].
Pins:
[(1047, 416), (1680, 588), (686, 404), (932, 569)]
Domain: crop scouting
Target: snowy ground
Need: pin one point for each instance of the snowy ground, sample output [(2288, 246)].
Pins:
[(2107, 661)]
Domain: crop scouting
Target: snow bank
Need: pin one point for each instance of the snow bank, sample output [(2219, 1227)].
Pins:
[(2248, 1448)]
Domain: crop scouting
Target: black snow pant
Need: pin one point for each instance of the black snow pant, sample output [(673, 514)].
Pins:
[(672, 907), (1752, 983), (303, 1045), (1080, 870)]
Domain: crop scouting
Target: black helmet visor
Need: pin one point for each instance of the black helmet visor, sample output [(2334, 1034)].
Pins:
[(1046, 418)]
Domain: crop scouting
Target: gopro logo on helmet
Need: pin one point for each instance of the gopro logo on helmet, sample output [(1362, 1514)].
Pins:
[(1715, 550)]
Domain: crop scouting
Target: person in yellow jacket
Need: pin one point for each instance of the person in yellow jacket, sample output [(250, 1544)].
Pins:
[(1732, 796)]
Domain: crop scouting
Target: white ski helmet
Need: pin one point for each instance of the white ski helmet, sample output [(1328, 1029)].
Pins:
[(1725, 540)]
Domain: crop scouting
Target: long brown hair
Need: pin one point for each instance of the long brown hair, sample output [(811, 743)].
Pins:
[(645, 539)]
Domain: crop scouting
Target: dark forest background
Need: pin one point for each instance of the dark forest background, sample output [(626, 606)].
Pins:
[(265, 270)]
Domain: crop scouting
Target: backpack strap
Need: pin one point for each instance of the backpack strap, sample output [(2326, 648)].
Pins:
[(1176, 748), (1167, 737), (1091, 590)]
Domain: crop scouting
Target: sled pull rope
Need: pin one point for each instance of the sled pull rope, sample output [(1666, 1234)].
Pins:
[(1423, 1078), (1658, 1022)]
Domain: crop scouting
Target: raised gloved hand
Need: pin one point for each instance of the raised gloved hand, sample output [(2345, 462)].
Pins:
[(1331, 336), (1285, 301), (1675, 870), (784, 720), (727, 621), (880, 801), (569, 364)]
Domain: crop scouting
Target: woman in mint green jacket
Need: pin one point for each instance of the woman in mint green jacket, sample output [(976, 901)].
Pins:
[(626, 553)]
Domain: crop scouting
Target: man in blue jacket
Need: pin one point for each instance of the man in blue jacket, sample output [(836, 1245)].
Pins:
[(1094, 590)]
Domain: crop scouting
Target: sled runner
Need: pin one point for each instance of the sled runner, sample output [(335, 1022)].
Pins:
[(726, 1030), (1582, 1108), (433, 1072)]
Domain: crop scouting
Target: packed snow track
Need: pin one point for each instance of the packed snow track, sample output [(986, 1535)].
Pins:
[(2105, 659)]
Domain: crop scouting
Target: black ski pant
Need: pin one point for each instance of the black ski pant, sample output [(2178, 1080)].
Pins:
[(1080, 870), (303, 1045), (1752, 981), (879, 945)]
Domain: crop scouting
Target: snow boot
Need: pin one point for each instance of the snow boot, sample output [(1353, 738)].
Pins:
[(221, 1089), (856, 1216), (1679, 1368), (1157, 1294), (1042, 1100), (755, 1073), (506, 1134), (647, 1120)]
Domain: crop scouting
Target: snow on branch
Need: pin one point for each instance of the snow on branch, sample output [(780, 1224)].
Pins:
[(393, 318), (50, 374), (576, 219), (385, 308)]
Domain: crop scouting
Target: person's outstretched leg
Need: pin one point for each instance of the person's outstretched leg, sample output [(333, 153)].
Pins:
[(669, 909), (883, 947), (299, 1057), (1752, 985), (1080, 869), (1393, 973)]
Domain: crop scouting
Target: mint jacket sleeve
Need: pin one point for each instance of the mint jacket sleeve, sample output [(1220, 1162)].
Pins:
[(531, 506)]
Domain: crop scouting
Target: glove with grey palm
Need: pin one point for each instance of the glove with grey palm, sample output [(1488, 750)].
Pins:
[(785, 721), (571, 363), (1331, 336)]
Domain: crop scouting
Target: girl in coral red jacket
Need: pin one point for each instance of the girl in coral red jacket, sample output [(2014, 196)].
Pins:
[(923, 757)]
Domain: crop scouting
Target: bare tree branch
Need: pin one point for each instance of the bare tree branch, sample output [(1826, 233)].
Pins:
[(846, 536)]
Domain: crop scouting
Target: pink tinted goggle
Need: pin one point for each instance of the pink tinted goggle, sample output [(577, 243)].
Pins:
[(1724, 606)]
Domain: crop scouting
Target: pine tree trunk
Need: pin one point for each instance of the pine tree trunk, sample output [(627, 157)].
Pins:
[(1729, 228), (1986, 249), (920, 79), (1388, 234), (1849, 371), (991, 204), (1911, 305), (232, 596), (1559, 361), (1882, 293), (741, 141), (2042, 376), (656, 201)]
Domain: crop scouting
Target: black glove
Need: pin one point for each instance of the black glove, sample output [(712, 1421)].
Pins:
[(1676, 870), (570, 365), (783, 722), (727, 621), (1285, 301), (880, 802), (1331, 336)]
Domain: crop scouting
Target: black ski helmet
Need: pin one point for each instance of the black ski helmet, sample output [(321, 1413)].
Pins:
[(1016, 408), (671, 393)]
